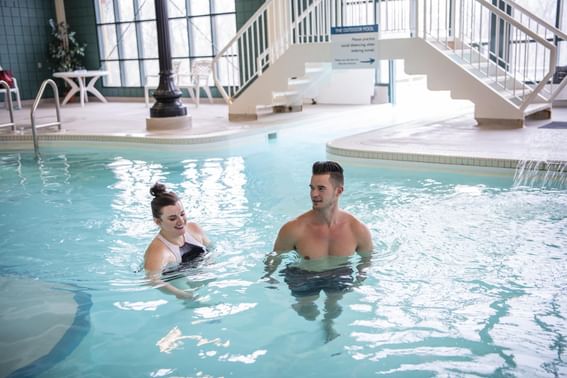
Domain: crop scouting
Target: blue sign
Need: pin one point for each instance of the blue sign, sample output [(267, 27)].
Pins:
[(354, 29), (354, 46)]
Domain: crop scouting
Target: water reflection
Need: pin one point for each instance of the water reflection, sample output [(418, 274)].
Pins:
[(307, 280)]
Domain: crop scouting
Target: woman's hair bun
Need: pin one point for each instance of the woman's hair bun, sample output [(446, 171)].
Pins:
[(158, 189)]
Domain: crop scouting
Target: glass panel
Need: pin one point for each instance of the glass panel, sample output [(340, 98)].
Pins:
[(225, 71), (184, 72), (129, 43), (105, 10), (179, 37), (146, 10), (545, 9), (149, 39), (151, 68), (563, 17), (176, 8), (113, 77), (562, 54), (201, 36), (225, 29), (107, 35), (222, 6), (139, 40), (199, 7), (383, 72), (126, 10), (131, 73)]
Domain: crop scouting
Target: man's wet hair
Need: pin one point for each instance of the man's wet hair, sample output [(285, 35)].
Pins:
[(331, 167)]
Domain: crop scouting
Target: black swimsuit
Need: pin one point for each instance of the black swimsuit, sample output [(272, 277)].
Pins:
[(190, 252)]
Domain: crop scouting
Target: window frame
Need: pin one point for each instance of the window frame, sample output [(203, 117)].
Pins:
[(137, 22)]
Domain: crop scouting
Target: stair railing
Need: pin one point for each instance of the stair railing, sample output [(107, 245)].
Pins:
[(494, 45), (546, 31)]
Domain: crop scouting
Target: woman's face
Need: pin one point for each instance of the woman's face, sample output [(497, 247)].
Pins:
[(173, 219)]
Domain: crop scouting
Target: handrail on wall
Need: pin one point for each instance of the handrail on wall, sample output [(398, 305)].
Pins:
[(9, 97), (35, 105)]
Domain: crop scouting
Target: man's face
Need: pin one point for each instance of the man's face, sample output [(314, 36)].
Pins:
[(323, 193)]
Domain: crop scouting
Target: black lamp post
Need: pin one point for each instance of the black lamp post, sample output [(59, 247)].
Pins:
[(167, 94)]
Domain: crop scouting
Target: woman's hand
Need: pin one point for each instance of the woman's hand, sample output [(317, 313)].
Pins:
[(184, 295)]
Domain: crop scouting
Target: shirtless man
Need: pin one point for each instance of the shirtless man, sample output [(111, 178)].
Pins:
[(325, 230), (323, 235)]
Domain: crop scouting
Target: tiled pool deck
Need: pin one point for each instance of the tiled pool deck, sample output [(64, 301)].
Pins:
[(442, 134)]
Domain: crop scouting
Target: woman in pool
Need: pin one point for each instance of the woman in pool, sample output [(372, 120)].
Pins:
[(178, 241)]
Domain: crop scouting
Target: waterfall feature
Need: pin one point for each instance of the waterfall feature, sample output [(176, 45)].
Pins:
[(541, 174)]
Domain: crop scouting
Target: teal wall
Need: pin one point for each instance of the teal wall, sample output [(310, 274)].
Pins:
[(80, 15), (24, 36), (245, 9)]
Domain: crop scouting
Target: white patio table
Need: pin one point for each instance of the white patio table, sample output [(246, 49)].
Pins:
[(77, 79)]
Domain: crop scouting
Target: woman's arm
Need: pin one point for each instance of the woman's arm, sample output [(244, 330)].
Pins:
[(198, 233), (154, 261)]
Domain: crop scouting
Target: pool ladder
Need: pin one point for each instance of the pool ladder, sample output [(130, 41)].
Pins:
[(34, 107), (8, 99)]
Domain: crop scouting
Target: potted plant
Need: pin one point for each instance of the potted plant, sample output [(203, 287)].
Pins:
[(65, 51)]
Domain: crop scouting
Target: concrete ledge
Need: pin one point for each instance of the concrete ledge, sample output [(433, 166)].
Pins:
[(237, 117), (168, 123), (287, 108), (499, 123)]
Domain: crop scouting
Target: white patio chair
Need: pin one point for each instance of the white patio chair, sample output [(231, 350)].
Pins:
[(151, 82), (197, 79), (15, 90)]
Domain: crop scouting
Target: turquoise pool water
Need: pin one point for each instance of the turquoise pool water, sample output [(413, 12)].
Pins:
[(468, 277)]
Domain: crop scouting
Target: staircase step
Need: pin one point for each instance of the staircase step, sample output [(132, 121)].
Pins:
[(298, 82), (536, 108), (285, 94)]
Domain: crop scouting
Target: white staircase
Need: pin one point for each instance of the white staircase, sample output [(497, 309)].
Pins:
[(503, 61), (301, 88)]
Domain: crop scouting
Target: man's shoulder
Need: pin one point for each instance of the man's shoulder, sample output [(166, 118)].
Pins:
[(298, 221), (353, 220)]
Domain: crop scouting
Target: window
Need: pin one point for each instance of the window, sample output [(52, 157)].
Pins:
[(128, 38)]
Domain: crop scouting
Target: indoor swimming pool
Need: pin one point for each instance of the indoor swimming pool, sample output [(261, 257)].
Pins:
[(467, 277)]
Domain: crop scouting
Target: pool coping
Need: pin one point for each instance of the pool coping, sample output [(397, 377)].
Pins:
[(443, 159)]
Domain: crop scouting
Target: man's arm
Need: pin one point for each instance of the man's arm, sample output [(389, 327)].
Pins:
[(285, 242), (364, 244), (286, 239)]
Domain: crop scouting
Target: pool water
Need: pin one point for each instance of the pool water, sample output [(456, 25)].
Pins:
[(467, 278)]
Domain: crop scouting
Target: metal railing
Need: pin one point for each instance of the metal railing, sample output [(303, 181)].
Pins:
[(8, 100), (34, 108), (509, 52)]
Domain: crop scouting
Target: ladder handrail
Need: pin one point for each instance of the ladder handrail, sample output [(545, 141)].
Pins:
[(10, 110), (34, 108)]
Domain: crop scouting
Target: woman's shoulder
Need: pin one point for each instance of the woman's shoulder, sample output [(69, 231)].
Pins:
[(154, 256), (197, 232), (194, 229), (155, 246)]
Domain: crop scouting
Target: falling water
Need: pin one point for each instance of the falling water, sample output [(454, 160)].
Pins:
[(541, 174)]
